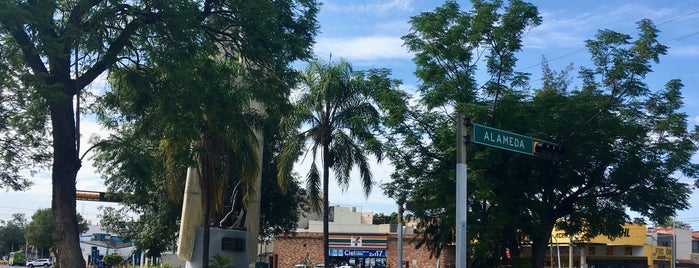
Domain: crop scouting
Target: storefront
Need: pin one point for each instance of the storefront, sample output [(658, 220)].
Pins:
[(362, 251), (356, 250)]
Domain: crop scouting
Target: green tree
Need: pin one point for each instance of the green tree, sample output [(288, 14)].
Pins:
[(53, 49), (679, 224), (336, 113), (449, 45), (154, 228), (210, 130), (622, 144), (39, 230), (12, 234), (620, 153), (157, 201), (380, 218), (44, 42)]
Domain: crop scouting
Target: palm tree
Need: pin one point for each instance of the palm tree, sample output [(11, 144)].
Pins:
[(336, 114)]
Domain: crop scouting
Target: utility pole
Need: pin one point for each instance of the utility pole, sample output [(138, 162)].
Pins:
[(400, 242), (462, 138), (674, 243)]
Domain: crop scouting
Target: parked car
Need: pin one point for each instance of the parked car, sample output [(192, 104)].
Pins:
[(39, 262)]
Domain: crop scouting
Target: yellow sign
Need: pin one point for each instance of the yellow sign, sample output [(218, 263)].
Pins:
[(634, 235)]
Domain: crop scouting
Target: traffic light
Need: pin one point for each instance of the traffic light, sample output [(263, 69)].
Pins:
[(88, 195), (98, 196), (466, 124), (547, 149), (463, 137)]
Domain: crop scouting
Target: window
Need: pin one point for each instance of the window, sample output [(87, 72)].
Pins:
[(695, 246)]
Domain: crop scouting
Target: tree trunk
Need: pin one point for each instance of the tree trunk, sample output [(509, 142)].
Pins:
[(540, 244), (206, 180), (66, 164), (326, 206)]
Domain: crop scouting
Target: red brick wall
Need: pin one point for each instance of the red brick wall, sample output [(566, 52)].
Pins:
[(290, 250), (417, 258)]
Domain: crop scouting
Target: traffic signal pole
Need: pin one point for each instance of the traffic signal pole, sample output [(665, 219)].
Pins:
[(462, 137), (496, 138)]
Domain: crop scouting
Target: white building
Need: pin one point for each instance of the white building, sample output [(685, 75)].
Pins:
[(96, 239)]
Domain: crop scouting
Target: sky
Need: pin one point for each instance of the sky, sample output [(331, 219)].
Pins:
[(367, 34)]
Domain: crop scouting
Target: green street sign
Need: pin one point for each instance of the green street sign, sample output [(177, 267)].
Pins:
[(502, 139)]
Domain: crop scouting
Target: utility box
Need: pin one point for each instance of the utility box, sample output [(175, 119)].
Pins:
[(228, 243)]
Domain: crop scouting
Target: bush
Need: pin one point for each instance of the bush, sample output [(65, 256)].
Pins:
[(112, 259)]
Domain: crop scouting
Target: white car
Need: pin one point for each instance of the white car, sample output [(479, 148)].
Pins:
[(39, 262)]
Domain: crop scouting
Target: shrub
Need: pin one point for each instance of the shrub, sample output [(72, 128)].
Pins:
[(112, 259)]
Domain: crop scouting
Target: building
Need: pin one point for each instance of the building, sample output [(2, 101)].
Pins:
[(95, 243), (638, 247), (680, 239), (354, 241), (695, 247)]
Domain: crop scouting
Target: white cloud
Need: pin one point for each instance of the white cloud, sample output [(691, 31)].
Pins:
[(396, 27), (371, 48), (376, 7), (683, 51), (568, 28)]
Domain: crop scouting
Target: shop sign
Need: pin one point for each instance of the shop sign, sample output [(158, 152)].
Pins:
[(340, 252), (359, 241)]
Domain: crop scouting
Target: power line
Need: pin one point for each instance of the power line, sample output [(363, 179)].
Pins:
[(681, 37), (553, 59), (665, 43), (678, 18)]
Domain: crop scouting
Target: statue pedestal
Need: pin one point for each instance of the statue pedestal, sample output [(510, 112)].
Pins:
[(228, 243)]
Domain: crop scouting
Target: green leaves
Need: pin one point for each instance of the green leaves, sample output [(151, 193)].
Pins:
[(623, 142), (12, 233), (449, 44), (39, 231)]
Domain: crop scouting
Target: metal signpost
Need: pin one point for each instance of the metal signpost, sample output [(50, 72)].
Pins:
[(492, 137), (461, 191)]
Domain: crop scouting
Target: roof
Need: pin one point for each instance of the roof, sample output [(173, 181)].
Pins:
[(109, 244), (685, 261)]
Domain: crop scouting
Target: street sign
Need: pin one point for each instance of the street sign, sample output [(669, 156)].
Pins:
[(502, 139)]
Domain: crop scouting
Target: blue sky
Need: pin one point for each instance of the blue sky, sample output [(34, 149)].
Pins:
[(367, 34)]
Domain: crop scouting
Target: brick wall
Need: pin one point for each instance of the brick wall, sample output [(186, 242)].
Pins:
[(290, 250), (417, 258)]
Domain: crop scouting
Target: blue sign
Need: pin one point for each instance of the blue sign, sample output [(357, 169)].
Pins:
[(95, 257), (338, 252)]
